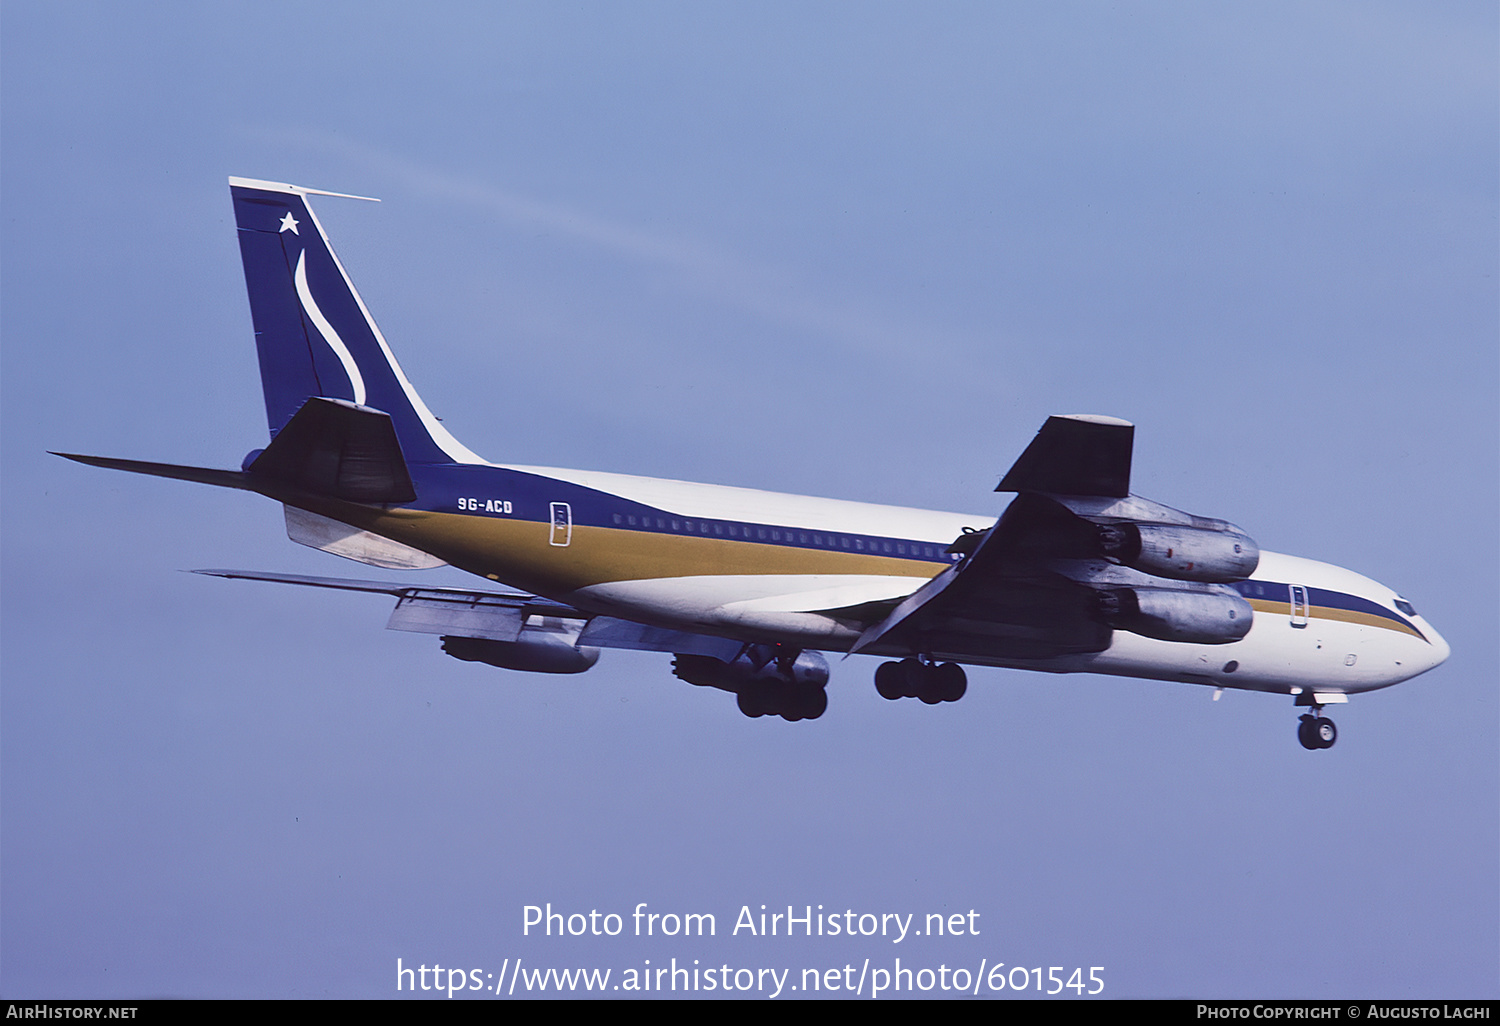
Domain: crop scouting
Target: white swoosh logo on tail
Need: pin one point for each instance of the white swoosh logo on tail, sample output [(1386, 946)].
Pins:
[(310, 305)]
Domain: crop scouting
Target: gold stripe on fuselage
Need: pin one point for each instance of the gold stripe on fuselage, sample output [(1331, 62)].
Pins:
[(1330, 613), (520, 553)]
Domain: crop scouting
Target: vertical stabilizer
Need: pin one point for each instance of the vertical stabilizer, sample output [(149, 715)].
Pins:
[(313, 333)]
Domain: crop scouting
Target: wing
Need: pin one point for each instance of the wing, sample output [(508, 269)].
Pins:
[(1011, 597), (533, 628), (1073, 558)]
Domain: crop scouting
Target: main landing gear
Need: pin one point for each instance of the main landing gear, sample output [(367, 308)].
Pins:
[(767, 680), (792, 702), (1314, 729), (914, 678)]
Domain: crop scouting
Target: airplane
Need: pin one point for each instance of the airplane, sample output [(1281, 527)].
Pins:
[(746, 588)]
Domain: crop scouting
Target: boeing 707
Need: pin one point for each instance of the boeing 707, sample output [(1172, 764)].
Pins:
[(746, 588)]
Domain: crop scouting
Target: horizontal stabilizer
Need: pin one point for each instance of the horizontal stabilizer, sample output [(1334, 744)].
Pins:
[(334, 448), (203, 475), (1078, 454), (336, 583)]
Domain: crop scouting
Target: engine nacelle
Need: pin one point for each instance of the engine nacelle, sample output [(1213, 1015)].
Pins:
[(535, 653), (809, 669), (1213, 555), (1215, 617)]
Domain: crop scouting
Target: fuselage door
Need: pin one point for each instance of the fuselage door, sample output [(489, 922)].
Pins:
[(1299, 605), (562, 523)]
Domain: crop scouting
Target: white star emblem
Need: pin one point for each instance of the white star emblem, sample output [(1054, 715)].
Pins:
[(289, 223)]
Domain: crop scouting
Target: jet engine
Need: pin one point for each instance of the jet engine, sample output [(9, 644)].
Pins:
[(1214, 554), (1212, 616), (534, 652)]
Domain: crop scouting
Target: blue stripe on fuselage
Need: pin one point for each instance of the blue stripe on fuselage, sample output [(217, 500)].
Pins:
[(1276, 591), (475, 490)]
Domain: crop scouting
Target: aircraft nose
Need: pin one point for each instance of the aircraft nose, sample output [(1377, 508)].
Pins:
[(1438, 650)]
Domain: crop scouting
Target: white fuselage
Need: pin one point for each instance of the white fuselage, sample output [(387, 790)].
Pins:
[(1315, 627)]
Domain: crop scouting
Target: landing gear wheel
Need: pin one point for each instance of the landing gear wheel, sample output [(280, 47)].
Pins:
[(1316, 732), (890, 681), (815, 704), (804, 704), (1307, 732), (930, 693), (1325, 732), (751, 702), (950, 682), (913, 677)]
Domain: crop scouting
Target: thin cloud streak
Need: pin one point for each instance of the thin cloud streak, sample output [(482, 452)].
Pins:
[(725, 278)]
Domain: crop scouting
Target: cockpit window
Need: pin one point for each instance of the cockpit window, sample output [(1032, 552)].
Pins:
[(1406, 607)]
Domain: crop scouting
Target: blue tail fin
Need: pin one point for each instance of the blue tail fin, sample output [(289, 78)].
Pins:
[(312, 331)]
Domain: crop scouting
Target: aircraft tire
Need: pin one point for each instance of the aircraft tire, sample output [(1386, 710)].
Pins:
[(784, 700), (1326, 733), (1307, 733), (751, 702), (950, 682), (889, 681), (913, 678), (804, 704)]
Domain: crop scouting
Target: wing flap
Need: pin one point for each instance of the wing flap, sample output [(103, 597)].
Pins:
[(495, 617)]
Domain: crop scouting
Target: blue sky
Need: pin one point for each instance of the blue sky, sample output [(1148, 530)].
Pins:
[(858, 250)]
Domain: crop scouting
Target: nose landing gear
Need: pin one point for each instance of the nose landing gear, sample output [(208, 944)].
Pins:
[(1314, 730)]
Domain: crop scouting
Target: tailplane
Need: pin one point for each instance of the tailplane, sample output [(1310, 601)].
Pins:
[(313, 333)]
